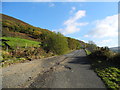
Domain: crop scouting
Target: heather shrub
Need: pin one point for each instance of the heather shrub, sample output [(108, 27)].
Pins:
[(116, 59), (29, 53), (102, 54)]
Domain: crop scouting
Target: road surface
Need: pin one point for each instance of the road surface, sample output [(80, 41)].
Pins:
[(73, 71)]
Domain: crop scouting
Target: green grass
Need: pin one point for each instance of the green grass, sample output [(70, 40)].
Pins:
[(110, 76), (106, 64), (87, 52), (109, 73), (18, 42)]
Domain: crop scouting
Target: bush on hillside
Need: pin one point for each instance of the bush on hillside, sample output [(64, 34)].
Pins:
[(30, 53), (36, 34), (56, 43), (102, 54), (21, 27), (116, 59), (91, 46), (73, 44)]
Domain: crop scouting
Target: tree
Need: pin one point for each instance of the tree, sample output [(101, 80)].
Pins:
[(78, 45), (73, 44), (91, 43), (56, 43), (91, 46)]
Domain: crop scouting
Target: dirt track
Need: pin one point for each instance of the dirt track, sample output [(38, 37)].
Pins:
[(66, 71)]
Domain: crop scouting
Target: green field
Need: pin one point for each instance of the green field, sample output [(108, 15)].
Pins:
[(14, 42)]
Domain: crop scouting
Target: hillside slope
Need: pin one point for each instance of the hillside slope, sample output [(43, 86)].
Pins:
[(16, 28), (115, 49), (18, 34)]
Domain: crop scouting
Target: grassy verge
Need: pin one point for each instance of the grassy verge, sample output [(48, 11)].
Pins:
[(110, 74), (106, 65), (20, 50), (27, 50), (87, 52), (22, 55)]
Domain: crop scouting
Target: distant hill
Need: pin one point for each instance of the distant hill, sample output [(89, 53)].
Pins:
[(115, 49)]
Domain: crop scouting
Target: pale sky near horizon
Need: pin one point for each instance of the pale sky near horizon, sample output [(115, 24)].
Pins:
[(96, 21)]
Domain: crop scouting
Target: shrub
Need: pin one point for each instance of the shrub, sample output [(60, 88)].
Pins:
[(91, 46), (116, 59), (5, 56), (56, 43), (102, 54), (73, 44), (110, 76), (29, 53), (37, 34), (87, 52)]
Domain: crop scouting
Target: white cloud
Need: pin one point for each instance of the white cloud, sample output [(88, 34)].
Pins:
[(72, 10), (103, 42), (108, 27), (105, 32), (107, 42), (71, 25), (51, 5), (86, 36)]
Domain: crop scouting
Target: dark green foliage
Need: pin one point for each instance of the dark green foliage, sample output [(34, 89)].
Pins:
[(102, 53), (116, 59), (4, 44), (78, 44), (91, 46), (87, 52), (56, 43), (73, 44), (107, 65), (111, 76)]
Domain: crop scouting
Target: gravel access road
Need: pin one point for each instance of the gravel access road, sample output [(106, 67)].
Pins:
[(72, 70)]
